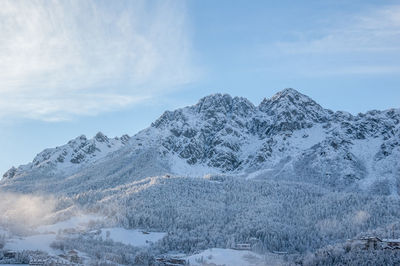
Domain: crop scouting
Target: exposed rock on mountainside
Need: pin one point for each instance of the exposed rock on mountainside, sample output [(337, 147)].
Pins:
[(287, 137)]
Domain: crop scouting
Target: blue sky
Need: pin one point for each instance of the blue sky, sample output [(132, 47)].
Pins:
[(78, 67)]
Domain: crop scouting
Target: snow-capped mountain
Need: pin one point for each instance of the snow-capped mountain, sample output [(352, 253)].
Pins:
[(286, 137), (74, 155), (286, 175)]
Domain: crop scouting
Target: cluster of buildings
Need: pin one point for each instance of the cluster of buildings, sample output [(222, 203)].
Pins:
[(373, 242), (37, 258)]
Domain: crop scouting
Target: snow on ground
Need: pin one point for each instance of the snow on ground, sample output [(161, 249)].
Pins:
[(254, 143), (306, 138), (365, 150), (46, 234), (132, 237), (229, 257), (77, 222), (179, 166), (256, 174), (37, 242)]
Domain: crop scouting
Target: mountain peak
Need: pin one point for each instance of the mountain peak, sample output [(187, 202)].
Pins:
[(292, 110), (216, 102), (288, 97), (289, 92), (229, 133), (290, 100), (225, 104), (100, 137), (10, 173), (215, 97)]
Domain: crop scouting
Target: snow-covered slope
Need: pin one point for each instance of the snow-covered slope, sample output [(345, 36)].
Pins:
[(286, 137), (72, 156)]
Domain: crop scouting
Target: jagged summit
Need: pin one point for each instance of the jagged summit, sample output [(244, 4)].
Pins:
[(291, 101), (286, 105), (100, 137), (216, 105), (289, 93), (289, 134), (224, 103), (292, 110), (221, 102), (10, 173), (216, 108)]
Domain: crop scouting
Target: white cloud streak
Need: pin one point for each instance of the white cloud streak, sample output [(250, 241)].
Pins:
[(367, 43), (59, 59), (377, 31)]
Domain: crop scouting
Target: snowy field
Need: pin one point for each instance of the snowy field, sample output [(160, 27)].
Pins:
[(37, 242), (229, 257), (77, 222), (47, 234), (132, 237)]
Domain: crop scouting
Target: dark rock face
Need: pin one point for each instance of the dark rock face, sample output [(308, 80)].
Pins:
[(100, 137), (10, 173)]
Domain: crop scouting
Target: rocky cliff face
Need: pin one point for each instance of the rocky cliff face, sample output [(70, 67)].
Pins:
[(288, 136)]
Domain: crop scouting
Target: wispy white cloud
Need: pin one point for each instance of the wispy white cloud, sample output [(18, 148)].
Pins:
[(365, 43), (62, 106), (378, 31), (64, 58)]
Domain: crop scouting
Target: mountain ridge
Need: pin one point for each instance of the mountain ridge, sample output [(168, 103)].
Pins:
[(288, 136)]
